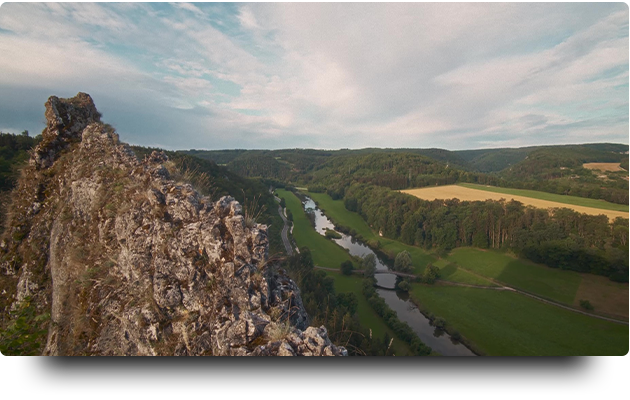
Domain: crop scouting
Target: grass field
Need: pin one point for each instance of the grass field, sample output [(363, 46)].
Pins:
[(569, 287), (470, 192), (326, 253), (606, 296), (554, 284), (507, 323), (453, 273), (603, 166)]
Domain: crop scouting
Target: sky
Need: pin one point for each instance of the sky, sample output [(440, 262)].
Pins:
[(326, 76)]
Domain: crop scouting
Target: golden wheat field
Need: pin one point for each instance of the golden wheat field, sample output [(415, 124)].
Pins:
[(467, 194), (603, 166)]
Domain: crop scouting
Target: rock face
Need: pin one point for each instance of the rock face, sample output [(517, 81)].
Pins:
[(130, 262)]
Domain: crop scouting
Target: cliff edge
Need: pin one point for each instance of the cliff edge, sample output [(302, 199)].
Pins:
[(110, 256)]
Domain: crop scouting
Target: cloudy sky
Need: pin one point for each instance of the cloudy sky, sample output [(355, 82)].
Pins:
[(250, 75)]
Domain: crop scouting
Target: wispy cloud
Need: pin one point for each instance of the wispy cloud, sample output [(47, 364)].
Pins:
[(324, 75)]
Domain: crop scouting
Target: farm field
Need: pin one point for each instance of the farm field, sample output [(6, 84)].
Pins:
[(575, 200), (603, 166), (554, 284), (465, 193), (568, 287), (606, 296), (507, 323)]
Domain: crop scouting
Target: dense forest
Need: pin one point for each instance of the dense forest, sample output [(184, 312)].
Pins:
[(560, 238)]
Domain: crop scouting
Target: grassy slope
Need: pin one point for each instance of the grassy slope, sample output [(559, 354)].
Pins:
[(534, 194), (328, 254), (506, 323), (552, 283)]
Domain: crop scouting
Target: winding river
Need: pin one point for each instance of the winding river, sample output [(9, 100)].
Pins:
[(398, 301)]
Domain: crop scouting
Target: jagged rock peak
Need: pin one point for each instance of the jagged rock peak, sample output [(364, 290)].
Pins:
[(127, 261), (65, 120)]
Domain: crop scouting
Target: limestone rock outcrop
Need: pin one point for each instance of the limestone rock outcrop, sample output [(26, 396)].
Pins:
[(129, 262)]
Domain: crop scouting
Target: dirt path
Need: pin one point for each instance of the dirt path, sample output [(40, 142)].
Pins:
[(512, 289)]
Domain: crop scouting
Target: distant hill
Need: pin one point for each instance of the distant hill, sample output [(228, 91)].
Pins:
[(553, 169)]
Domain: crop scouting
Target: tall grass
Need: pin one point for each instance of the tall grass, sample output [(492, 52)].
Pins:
[(252, 209)]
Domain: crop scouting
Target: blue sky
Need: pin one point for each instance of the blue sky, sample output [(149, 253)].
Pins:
[(255, 75)]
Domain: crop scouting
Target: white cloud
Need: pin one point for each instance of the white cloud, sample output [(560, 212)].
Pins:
[(331, 75)]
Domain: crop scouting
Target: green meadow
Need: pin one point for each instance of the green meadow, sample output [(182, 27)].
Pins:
[(367, 316), (510, 324), (554, 284)]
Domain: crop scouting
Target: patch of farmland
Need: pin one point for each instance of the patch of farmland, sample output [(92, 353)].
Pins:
[(468, 194), (603, 166)]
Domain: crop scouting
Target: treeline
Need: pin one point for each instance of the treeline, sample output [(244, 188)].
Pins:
[(560, 238), (259, 166), (553, 169)]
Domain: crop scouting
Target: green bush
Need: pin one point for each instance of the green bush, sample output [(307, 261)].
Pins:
[(26, 331), (585, 304), (330, 234), (346, 268)]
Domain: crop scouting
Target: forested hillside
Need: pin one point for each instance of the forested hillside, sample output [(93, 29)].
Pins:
[(559, 170), (553, 169)]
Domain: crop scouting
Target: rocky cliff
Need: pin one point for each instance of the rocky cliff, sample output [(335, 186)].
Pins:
[(113, 257)]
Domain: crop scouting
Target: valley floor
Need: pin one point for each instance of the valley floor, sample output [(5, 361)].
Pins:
[(504, 322)]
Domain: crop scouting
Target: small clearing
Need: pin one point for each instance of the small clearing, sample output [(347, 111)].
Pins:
[(603, 166)]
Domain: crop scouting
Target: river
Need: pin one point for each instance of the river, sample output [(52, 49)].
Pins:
[(398, 301)]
